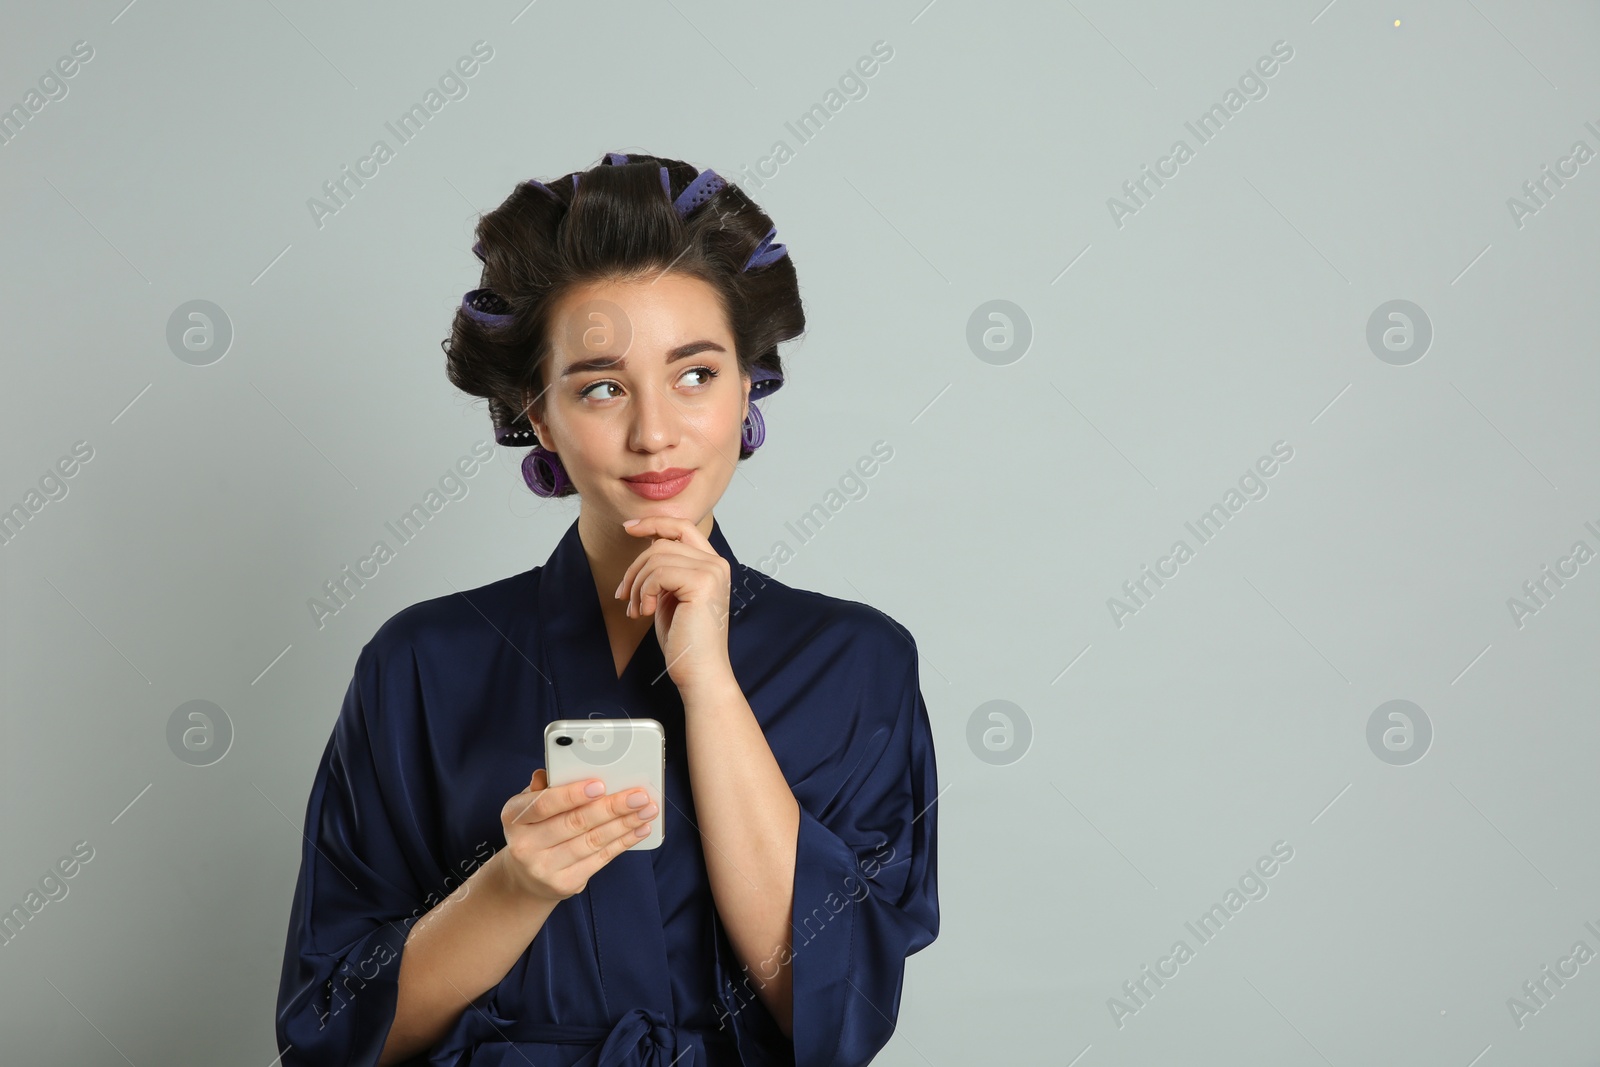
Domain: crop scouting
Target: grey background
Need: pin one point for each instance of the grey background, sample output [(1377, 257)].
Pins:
[(1229, 313)]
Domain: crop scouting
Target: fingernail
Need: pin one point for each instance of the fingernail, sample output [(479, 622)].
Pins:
[(630, 522), (619, 590), (637, 800), (594, 789), (650, 812)]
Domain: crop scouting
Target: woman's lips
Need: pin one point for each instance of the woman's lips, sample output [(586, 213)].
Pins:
[(660, 485)]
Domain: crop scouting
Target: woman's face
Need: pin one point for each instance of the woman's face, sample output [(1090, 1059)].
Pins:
[(642, 377)]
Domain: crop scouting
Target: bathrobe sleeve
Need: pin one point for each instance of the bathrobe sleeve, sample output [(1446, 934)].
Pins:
[(865, 890), (357, 896)]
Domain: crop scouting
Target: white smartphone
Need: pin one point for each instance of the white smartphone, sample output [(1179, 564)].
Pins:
[(622, 753)]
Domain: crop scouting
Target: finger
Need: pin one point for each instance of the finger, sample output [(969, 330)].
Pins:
[(666, 578), (604, 829), (549, 802), (628, 576), (672, 552), (680, 559), (652, 551), (579, 821), (673, 528), (517, 806), (592, 850)]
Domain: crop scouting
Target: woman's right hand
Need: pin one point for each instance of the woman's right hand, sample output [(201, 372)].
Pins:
[(556, 839)]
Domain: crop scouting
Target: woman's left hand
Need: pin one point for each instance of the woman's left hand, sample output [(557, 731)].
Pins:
[(684, 580)]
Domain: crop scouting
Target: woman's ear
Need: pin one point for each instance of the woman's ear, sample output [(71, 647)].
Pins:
[(533, 420)]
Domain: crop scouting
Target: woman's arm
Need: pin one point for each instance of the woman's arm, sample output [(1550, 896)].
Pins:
[(749, 818), (749, 827), (556, 839), (464, 946)]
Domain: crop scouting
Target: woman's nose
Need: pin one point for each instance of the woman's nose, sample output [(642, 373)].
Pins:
[(654, 419)]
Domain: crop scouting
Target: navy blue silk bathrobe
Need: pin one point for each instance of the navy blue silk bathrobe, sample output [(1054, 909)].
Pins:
[(444, 720)]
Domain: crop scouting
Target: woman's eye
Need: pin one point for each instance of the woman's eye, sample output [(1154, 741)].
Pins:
[(587, 391)]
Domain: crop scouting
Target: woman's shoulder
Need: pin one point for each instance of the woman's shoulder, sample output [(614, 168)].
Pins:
[(815, 615), (453, 621)]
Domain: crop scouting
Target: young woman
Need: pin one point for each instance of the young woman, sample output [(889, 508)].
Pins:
[(627, 316)]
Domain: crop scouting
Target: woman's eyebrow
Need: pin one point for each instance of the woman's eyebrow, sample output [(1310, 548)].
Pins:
[(621, 362)]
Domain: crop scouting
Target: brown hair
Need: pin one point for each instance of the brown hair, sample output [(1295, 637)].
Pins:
[(613, 221)]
